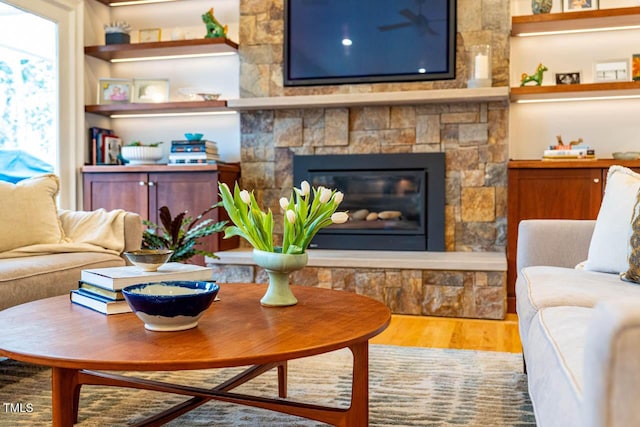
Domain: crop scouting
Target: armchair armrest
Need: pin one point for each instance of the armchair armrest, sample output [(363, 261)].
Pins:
[(553, 242), (612, 366), (132, 231)]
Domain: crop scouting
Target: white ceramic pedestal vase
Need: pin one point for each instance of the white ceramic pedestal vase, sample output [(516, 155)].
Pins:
[(278, 267)]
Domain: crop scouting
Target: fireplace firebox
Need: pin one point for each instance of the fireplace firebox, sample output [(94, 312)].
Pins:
[(395, 201)]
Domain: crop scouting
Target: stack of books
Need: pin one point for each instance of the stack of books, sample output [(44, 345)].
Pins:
[(569, 152), (100, 289), (104, 147), (186, 152)]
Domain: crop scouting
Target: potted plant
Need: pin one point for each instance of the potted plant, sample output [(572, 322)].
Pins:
[(181, 234), (306, 212)]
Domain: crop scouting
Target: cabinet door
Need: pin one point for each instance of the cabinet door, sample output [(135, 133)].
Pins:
[(185, 191), (548, 194), (126, 191)]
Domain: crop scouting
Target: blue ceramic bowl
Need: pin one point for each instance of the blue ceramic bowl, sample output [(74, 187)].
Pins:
[(170, 305), (193, 136)]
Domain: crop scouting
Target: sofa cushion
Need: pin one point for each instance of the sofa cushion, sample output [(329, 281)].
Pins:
[(609, 245), (30, 278), (541, 287), (555, 361), (29, 213)]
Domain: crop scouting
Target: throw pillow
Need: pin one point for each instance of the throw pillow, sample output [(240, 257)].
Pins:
[(609, 245), (633, 272), (29, 213)]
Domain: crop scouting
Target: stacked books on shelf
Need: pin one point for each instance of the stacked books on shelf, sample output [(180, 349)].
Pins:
[(188, 152), (569, 152), (104, 147), (100, 289)]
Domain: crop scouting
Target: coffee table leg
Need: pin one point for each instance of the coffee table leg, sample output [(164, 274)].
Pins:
[(65, 394), (282, 380), (358, 414)]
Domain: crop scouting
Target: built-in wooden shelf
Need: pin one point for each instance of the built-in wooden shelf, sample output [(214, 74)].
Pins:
[(571, 164), (162, 107), (117, 2), (235, 167), (368, 99), (171, 48), (572, 21), (583, 90)]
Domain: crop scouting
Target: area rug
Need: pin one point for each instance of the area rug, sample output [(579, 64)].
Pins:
[(408, 386)]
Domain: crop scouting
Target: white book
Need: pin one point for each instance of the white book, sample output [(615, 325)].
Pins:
[(100, 305), (116, 278)]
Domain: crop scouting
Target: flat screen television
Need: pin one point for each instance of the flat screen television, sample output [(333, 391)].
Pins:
[(365, 41)]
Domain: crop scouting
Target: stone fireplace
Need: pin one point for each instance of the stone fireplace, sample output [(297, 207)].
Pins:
[(471, 135), (395, 201)]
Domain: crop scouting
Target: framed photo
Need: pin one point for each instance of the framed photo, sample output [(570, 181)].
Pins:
[(150, 90), (572, 78), (114, 91), (149, 35), (579, 5), (611, 71), (635, 67)]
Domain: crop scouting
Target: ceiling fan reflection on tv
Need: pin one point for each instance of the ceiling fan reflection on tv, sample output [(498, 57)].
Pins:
[(418, 20)]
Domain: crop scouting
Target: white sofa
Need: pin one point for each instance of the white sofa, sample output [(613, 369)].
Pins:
[(580, 327)]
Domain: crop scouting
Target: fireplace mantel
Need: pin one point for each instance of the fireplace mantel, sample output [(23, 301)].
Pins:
[(412, 97), (418, 260)]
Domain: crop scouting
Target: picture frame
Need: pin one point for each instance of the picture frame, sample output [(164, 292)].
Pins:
[(149, 35), (611, 70), (635, 67), (579, 5), (114, 91), (150, 90), (570, 78)]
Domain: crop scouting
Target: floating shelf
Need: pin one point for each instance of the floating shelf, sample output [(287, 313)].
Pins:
[(174, 48), (575, 21), (365, 99), (152, 108), (132, 2), (579, 91)]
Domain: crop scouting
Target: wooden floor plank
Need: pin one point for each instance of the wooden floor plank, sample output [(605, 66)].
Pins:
[(457, 333)]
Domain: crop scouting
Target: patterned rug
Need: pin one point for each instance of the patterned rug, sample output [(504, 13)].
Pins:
[(408, 386)]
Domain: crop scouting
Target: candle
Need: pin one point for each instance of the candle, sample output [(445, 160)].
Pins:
[(481, 66)]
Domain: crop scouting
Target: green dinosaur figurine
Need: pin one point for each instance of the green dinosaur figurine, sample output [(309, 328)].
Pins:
[(535, 77), (214, 28)]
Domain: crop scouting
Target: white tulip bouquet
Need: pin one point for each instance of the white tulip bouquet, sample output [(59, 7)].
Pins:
[(306, 212)]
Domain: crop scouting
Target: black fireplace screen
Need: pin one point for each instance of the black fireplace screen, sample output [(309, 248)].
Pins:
[(395, 201)]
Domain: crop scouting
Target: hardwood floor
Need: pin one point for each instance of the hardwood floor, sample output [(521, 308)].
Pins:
[(444, 332)]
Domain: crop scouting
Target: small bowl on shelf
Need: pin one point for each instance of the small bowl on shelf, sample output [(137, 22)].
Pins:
[(198, 94), (170, 305), (149, 259), (193, 136), (626, 155)]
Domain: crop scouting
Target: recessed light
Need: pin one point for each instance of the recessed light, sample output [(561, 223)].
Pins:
[(346, 42), (422, 70)]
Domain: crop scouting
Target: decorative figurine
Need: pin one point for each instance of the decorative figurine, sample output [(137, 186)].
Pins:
[(214, 28), (541, 6), (536, 77)]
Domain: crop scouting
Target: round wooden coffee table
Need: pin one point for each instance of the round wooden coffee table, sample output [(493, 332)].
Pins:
[(235, 331)]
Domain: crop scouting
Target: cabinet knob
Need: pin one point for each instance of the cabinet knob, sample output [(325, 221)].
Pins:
[(142, 183), (596, 180), (151, 184)]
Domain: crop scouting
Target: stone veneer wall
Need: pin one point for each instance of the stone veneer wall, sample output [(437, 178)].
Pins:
[(473, 137)]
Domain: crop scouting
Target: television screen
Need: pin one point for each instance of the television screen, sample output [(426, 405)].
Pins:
[(364, 41)]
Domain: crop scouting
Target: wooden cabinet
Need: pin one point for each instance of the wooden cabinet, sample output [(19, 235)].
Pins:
[(552, 190), (145, 189)]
